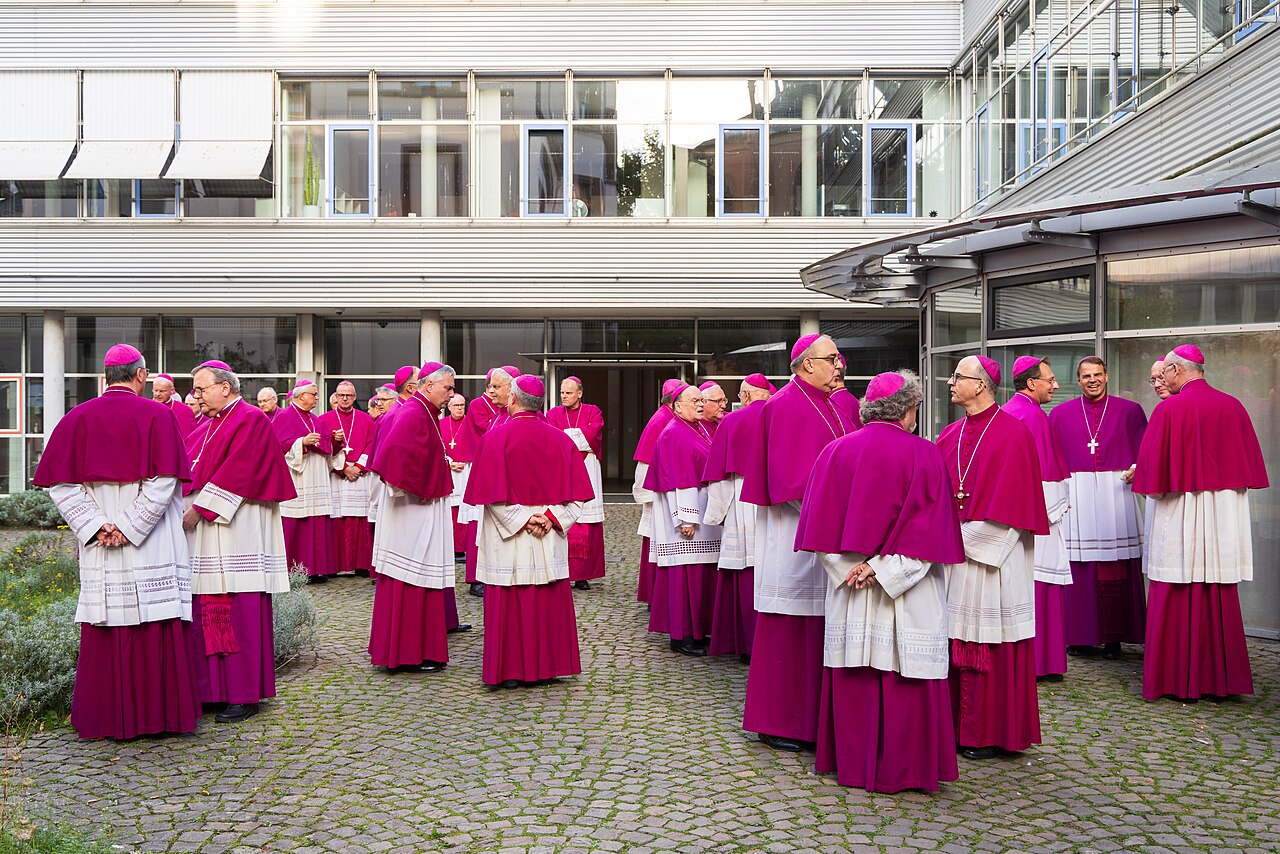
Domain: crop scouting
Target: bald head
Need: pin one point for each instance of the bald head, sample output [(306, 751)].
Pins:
[(457, 407), (268, 400), (161, 390)]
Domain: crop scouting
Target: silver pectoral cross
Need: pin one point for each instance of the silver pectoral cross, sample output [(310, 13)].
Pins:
[(961, 495), (1093, 446)]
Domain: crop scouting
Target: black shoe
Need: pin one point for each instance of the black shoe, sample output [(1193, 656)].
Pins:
[(778, 743), (979, 753), (362, 573), (459, 557), (236, 712), (509, 683), (582, 585), (1082, 650), (207, 708), (424, 667), (317, 579), (687, 647), (461, 627), (744, 658), (1111, 651), (477, 589), (1050, 677)]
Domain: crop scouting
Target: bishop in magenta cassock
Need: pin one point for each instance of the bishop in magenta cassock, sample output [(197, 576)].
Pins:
[(584, 424), (995, 477), (486, 412), (311, 455), (269, 402), (394, 395), (733, 619), (878, 511), (684, 547), (785, 682), (163, 392), (531, 484), (714, 404), (349, 485), (414, 547), (115, 466), (1034, 384), (642, 457), (1199, 459), (236, 537), (457, 447), (1098, 435)]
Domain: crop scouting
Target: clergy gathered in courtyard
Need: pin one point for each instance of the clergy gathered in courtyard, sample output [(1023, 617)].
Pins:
[(894, 600)]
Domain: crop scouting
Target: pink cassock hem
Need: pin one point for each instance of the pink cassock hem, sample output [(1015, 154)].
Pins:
[(1195, 642), (309, 542), (785, 681), (530, 632), (589, 537), (408, 624), (1105, 603), (247, 676), (1050, 639), (733, 622), (353, 543), (644, 585), (999, 707)]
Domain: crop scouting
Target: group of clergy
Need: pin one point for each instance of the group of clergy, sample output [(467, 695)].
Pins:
[(897, 599), (187, 524)]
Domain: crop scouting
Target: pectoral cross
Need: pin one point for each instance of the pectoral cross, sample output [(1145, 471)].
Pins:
[(1093, 446), (452, 442), (961, 495), (346, 450)]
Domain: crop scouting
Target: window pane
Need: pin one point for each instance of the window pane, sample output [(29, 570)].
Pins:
[(910, 99), (815, 170), (89, 338), (10, 344), (693, 169), (498, 170), (361, 347), (1063, 358), (871, 347), (351, 171), (942, 411), (35, 342), (109, 198), (12, 477), (426, 100), (621, 100), (621, 336), (618, 170), (475, 346), (519, 99), (325, 99), (1224, 286), (957, 316), (937, 165), (302, 170), (816, 99), (741, 347), (228, 198), (37, 199), (742, 170), (157, 198), (544, 171), (1043, 306), (422, 170), (10, 405), (250, 345), (719, 101), (889, 171)]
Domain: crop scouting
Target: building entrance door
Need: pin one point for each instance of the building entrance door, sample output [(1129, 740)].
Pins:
[(627, 393)]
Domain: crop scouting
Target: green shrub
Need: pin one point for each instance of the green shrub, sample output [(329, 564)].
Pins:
[(40, 569), (293, 617), (31, 509), (38, 660)]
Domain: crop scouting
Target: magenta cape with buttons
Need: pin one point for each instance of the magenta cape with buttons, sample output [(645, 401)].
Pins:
[(733, 442), (1003, 483), (241, 455), (881, 491), (1026, 410), (679, 457), (528, 462), (116, 438), (797, 423), (1199, 440), (410, 455)]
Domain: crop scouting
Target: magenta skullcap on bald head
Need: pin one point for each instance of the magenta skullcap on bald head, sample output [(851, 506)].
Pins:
[(575, 379), (428, 369), (389, 386), (677, 389), (214, 363), (530, 384), (302, 383), (883, 385), (511, 369), (403, 375), (803, 344), (1190, 352), (992, 367), (670, 387), (121, 354), (1025, 363), (708, 384), (162, 377), (761, 382)]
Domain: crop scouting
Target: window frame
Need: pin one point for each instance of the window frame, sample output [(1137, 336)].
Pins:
[(565, 166), (868, 176), (995, 285), (330, 204), (761, 131)]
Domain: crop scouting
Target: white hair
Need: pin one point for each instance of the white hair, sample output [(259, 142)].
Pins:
[(1185, 364), (500, 374), (221, 376), (894, 407), (527, 401), (270, 393), (439, 374)]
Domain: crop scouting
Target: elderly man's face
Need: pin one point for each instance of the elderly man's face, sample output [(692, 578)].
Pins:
[(161, 390), (714, 402), (689, 405), (499, 391), (305, 399), (457, 408), (820, 367), (212, 395), (570, 394), (966, 383), (267, 402), (345, 397), (1157, 380), (1092, 379)]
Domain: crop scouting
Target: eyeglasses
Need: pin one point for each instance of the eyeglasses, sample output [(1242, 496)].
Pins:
[(834, 359), (198, 390), (720, 400), (957, 376), (1155, 381)]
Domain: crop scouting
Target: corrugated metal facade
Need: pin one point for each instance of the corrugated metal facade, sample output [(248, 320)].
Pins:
[(1208, 121), (977, 13), (570, 267), (484, 35)]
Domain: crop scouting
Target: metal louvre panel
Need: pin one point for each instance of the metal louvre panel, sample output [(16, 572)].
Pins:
[(977, 14), (128, 124), (40, 123), (226, 125), (1206, 121), (484, 35), (288, 267)]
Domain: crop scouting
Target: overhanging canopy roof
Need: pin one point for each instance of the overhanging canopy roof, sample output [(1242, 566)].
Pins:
[(894, 272)]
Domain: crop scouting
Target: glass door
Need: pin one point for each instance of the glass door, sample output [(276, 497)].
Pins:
[(350, 170)]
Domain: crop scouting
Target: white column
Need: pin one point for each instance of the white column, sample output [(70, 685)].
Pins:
[(55, 371), (431, 339), (809, 323), (308, 342)]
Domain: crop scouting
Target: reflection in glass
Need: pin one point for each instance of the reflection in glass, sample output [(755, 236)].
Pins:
[(108, 198), (621, 100), (324, 99), (621, 336), (422, 170), (741, 157), (618, 170), (422, 100), (1062, 302), (35, 343), (88, 338), (815, 99), (890, 171), (351, 171), (942, 411), (10, 405), (1063, 358), (741, 347), (302, 170), (498, 100), (815, 170), (10, 343), (228, 198), (871, 347), (717, 101), (361, 347), (39, 199), (544, 171), (498, 170), (1203, 288), (910, 99), (157, 198), (250, 345), (693, 170), (475, 346), (34, 448), (957, 316), (12, 477)]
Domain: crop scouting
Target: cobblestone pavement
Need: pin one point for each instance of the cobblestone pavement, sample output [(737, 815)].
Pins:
[(642, 752)]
